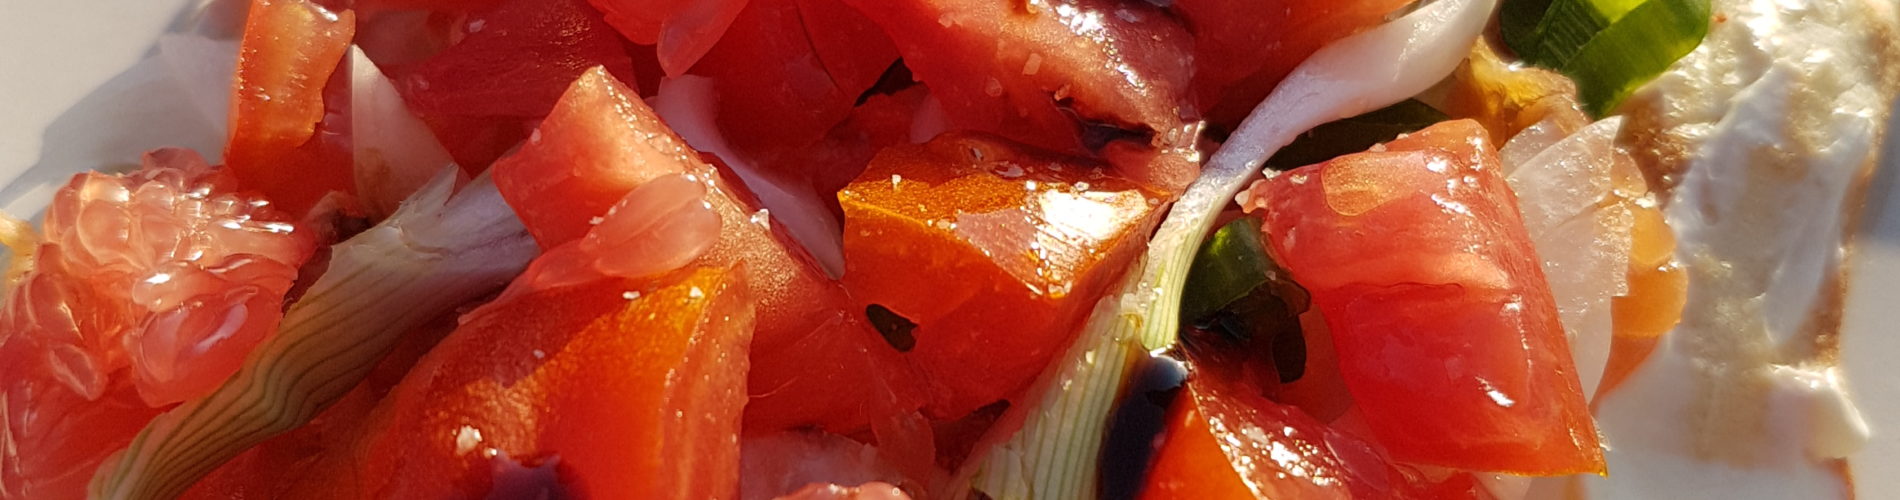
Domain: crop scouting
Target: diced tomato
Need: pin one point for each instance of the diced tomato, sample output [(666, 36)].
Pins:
[(1445, 330), (1243, 48), (1223, 440), (789, 70), (1239, 446), (814, 361), (1012, 67), (440, 5), (290, 105), (961, 232), (831, 163), (512, 64), (681, 30), (624, 388)]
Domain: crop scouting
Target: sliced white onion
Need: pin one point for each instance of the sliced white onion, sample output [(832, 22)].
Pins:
[(395, 152)]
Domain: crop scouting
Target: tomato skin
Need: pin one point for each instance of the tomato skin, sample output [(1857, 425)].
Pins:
[(627, 398), (1445, 331), (800, 64), (681, 30), (812, 352), (1243, 48), (989, 229), (588, 153), (513, 63), (1192, 462), (289, 137), (1002, 67)]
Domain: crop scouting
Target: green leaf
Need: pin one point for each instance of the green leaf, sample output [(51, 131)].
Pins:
[(1230, 265)]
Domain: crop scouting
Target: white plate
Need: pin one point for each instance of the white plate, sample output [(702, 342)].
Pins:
[(64, 65)]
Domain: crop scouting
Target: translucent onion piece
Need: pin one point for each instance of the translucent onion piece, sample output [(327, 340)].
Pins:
[(395, 153), (435, 253)]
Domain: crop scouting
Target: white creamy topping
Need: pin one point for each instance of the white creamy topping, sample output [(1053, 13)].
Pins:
[(1778, 111)]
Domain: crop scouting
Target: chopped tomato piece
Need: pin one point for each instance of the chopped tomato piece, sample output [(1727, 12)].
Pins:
[(290, 105), (1224, 440), (1243, 48), (1445, 329), (814, 360), (510, 66), (681, 30), (147, 289), (1224, 446), (441, 5), (1012, 67), (954, 234), (789, 70), (622, 388), (835, 160)]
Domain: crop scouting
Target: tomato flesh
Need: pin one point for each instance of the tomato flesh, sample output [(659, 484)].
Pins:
[(812, 356), (628, 397), (1218, 446), (1003, 67), (1224, 440), (962, 231), (289, 137), (512, 63), (1243, 48), (681, 30), (1445, 330), (802, 63)]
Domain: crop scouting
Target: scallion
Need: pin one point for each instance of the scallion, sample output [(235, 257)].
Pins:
[(1609, 47), (435, 253), (1050, 446)]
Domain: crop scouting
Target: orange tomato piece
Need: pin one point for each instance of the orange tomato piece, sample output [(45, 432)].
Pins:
[(994, 250), (1444, 328), (624, 389), (812, 355)]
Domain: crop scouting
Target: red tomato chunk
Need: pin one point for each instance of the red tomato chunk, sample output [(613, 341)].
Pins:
[(995, 251), (611, 389), (812, 356), (1447, 335)]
